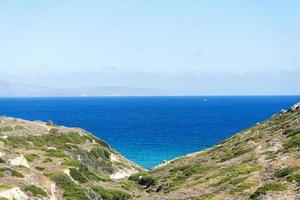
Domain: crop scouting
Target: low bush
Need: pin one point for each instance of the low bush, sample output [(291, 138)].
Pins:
[(71, 190), (143, 179), (31, 157), (19, 127), (6, 129), (292, 142), (111, 194), (39, 168), (12, 172), (35, 191), (267, 187)]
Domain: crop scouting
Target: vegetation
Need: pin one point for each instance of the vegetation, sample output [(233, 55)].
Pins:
[(5, 187), (267, 187), (11, 171), (71, 190), (19, 128), (31, 157), (50, 123), (110, 194), (35, 190), (143, 179), (39, 168), (6, 129)]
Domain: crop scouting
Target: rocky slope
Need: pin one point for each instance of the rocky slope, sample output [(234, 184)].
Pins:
[(262, 162), (42, 161)]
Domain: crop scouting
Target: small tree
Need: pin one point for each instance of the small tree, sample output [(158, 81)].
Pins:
[(50, 123)]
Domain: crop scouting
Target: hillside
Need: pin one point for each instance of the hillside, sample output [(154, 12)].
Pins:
[(42, 161), (262, 162)]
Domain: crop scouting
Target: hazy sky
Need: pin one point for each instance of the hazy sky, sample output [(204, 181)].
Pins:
[(187, 47)]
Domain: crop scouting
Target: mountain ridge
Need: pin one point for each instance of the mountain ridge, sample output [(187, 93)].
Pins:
[(8, 89)]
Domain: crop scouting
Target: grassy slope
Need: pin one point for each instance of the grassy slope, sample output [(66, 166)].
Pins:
[(261, 161), (77, 162)]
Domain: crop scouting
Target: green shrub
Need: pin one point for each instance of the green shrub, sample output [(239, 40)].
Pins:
[(267, 187), (295, 177), (111, 194), (47, 160), (143, 179), (78, 176), (5, 187), (97, 159), (292, 142), (39, 168), (31, 157), (71, 190), (54, 130), (242, 187), (71, 162), (6, 129), (19, 128), (284, 172), (291, 132), (234, 152), (50, 123), (55, 153), (36, 191), (12, 171), (2, 161), (16, 141)]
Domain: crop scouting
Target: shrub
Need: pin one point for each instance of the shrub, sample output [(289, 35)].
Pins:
[(19, 128), (77, 176), (6, 129), (111, 194), (12, 171), (284, 172), (36, 191), (55, 153), (295, 177), (50, 123), (31, 157), (1, 160), (5, 187), (267, 187), (39, 168), (292, 142), (143, 179), (54, 130), (71, 162), (47, 160), (71, 190), (291, 132)]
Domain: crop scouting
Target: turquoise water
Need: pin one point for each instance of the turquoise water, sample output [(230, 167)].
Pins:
[(148, 130)]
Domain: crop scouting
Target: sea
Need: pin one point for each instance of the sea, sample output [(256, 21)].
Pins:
[(149, 130)]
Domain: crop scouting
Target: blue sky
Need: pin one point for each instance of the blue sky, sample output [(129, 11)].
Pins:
[(186, 47)]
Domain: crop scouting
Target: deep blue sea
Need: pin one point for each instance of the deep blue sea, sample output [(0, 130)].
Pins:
[(148, 130)]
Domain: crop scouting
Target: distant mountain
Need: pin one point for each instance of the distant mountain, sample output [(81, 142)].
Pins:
[(8, 89)]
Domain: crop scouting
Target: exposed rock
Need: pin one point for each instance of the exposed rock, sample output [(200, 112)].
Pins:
[(19, 161), (123, 173), (296, 107), (14, 193)]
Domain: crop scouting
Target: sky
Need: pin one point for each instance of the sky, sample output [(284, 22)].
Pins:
[(185, 47)]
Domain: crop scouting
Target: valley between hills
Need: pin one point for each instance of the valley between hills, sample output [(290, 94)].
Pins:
[(41, 160)]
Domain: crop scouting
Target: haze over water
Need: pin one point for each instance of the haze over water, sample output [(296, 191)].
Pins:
[(148, 130)]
